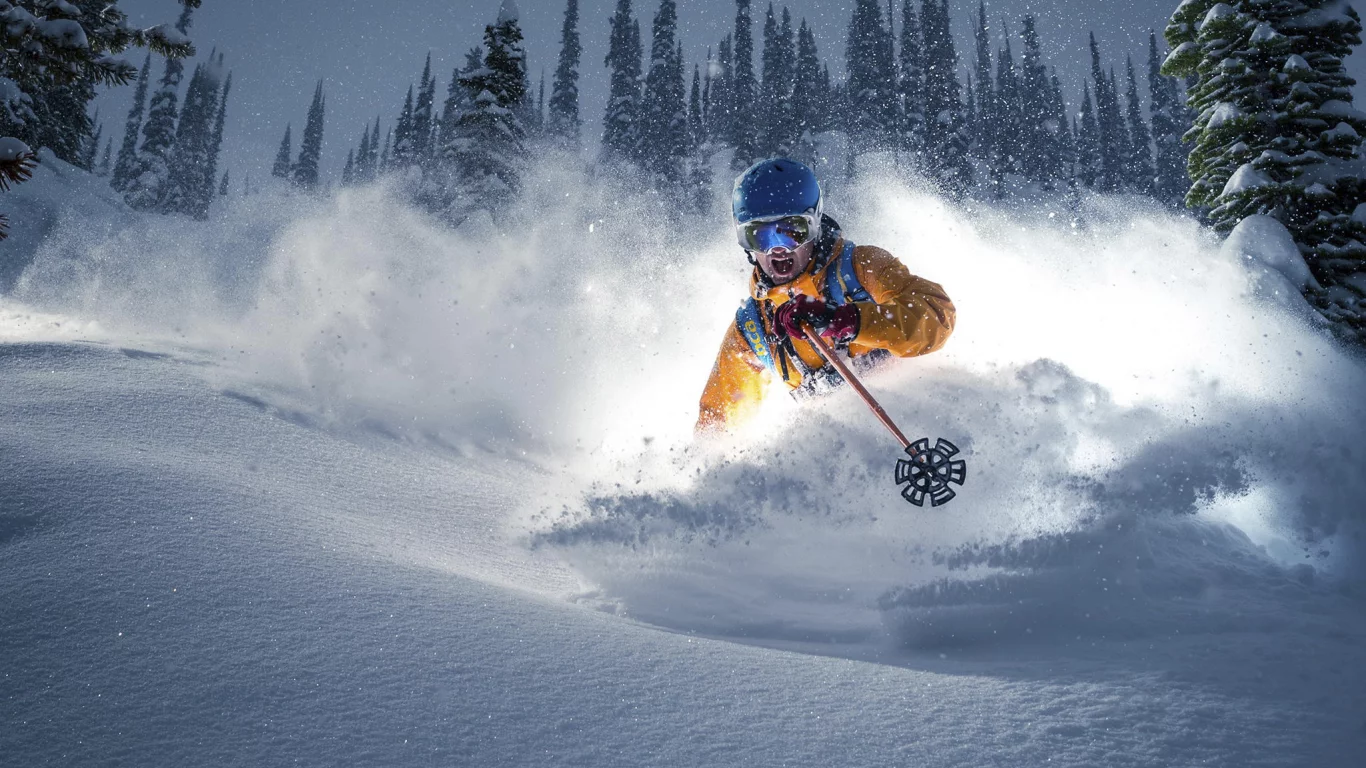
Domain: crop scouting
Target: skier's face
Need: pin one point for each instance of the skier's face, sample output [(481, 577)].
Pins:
[(782, 265)]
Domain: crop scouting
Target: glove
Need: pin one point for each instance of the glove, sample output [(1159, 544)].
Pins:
[(839, 324)]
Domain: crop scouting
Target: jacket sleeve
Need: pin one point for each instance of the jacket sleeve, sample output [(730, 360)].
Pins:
[(908, 315), (736, 386)]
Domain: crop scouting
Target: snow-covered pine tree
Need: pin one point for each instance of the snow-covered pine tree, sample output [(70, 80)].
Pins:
[(127, 163), (489, 149), (870, 121), (106, 164), (1277, 133), (1010, 145), (946, 140), (1061, 165), (1168, 126), (61, 51), (1139, 171), (697, 128), (744, 123), (699, 149), (1110, 139), (282, 157), (537, 123), (373, 165), (620, 132), (90, 153), (775, 90), (158, 134), (305, 170), (348, 176), (706, 96), (1037, 150), (1088, 142), (986, 125), (807, 101), (402, 153), (911, 83), (720, 103), (663, 128), (360, 172), (185, 180), (440, 184), (215, 147), (422, 115), (386, 160), (223, 188), (563, 121)]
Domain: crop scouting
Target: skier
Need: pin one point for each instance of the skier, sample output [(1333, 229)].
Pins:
[(806, 273)]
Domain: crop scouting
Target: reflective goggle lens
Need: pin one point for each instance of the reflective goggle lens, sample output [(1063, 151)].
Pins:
[(763, 236)]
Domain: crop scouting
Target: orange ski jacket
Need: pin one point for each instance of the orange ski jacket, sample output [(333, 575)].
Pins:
[(908, 316)]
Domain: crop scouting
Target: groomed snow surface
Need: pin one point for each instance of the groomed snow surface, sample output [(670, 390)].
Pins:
[(320, 482)]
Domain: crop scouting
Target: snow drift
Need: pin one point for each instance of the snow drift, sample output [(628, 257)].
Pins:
[(1160, 437)]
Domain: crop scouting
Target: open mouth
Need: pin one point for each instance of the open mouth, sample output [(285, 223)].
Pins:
[(783, 265)]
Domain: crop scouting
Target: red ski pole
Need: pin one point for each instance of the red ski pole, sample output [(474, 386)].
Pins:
[(927, 473)]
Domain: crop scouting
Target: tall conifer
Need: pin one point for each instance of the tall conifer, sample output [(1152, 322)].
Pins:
[(563, 120)]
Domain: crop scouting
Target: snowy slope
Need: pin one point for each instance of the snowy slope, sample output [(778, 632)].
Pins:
[(319, 482)]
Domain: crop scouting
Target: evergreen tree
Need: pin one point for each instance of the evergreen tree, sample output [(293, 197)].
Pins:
[(779, 131), (55, 54), (1009, 111), (215, 144), (106, 163), (871, 120), (458, 102), (158, 134), (986, 124), (564, 121), (349, 170), (620, 132), (697, 128), (90, 156), (361, 171), (1139, 168), (1168, 126), (185, 182), (223, 188), (663, 123), (911, 83), (422, 116), (744, 90), (127, 164), (1036, 147), (305, 170), (1111, 143), (1061, 164), (386, 159), (807, 102), (1277, 133), (946, 142), (402, 153), (489, 147), (282, 161), (699, 174), (720, 107), (1088, 143)]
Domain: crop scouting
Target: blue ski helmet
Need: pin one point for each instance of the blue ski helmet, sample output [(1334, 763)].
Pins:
[(771, 189)]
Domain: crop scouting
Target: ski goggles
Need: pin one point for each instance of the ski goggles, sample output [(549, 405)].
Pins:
[(790, 232)]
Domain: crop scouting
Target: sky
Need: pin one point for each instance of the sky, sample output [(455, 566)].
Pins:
[(368, 53)]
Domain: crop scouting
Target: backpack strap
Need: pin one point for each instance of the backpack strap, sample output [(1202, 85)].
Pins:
[(751, 325), (841, 283)]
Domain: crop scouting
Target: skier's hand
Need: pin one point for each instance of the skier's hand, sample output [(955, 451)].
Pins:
[(839, 324)]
